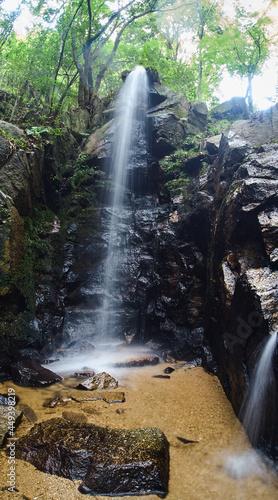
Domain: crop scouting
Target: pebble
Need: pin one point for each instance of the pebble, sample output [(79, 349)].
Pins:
[(169, 369)]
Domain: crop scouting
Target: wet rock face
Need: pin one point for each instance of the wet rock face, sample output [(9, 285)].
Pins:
[(111, 462), (242, 293), (31, 305), (172, 120), (161, 277), (21, 179)]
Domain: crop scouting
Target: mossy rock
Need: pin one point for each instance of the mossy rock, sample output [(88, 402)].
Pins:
[(8, 129), (108, 461)]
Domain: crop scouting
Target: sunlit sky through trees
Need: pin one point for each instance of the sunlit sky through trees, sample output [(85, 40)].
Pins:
[(264, 85)]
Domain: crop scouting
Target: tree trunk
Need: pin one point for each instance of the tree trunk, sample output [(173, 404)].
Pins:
[(200, 36), (249, 94), (81, 85), (200, 80)]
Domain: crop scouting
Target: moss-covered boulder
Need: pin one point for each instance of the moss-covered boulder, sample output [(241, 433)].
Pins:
[(233, 109), (77, 120), (11, 130), (108, 461), (173, 120)]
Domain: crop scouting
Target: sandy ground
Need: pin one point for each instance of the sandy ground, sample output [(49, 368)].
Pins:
[(191, 404)]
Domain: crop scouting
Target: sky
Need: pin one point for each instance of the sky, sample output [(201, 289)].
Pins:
[(264, 86)]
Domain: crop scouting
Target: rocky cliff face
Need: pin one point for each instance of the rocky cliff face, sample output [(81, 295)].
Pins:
[(242, 270), (204, 281), (30, 244), (162, 276), (198, 278)]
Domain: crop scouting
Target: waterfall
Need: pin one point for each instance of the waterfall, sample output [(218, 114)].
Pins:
[(259, 408), (258, 415), (131, 107)]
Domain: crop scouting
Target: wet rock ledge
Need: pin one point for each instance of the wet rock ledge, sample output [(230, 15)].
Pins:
[(108, 461)]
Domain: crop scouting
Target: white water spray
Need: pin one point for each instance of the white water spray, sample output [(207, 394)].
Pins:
[(261, 400), (258, 412)]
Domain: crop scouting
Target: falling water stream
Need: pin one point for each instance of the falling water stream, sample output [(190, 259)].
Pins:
[(104, 322), (258, 414), (131, 106), (261, 401)]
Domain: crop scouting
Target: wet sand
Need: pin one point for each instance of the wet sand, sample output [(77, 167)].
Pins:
[(190, 405)]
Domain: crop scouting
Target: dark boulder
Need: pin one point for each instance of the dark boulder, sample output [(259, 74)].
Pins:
[(234, 109), (27, 372), (109, 462), (173, 120), (244, 135), (213, 143), (168, 132)]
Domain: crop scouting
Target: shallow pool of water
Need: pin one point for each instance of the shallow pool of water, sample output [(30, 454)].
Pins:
[(191, 405)]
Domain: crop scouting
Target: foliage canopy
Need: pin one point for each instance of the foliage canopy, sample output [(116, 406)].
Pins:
[(78, 48)]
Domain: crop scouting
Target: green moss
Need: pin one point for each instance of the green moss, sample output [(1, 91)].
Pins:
[(178, 186), (178, 167), (4, 213), (37, 255), (216, 127)]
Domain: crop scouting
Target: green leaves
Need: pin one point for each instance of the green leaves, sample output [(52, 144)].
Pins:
[(246, 46), (36, 131), (78, 48)]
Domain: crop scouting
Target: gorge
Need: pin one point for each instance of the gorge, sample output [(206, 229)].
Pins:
[(198, 278)]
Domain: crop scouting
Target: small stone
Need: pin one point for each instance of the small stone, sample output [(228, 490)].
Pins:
[(28, 412), (186, 441), (99, 381), (169, 369), (109, 397), (5, 425), (6, 399), (133, 363), (85, 373), (169, 359), (51, 403), (74, 417)]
